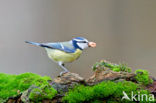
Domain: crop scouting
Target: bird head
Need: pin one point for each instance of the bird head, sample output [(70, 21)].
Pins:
[(82, 43)]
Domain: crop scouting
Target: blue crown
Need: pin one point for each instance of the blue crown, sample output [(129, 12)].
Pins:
[(80, 38)]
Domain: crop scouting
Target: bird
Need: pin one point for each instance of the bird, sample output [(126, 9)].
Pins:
[(65, 52)]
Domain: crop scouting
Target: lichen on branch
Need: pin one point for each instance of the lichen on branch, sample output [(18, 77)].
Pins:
[(103, 64)]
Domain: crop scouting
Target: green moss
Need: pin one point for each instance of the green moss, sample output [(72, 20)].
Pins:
[(44, 92), (97, 101), (114, 67), (13, 85), (142, 76), (108, 90)]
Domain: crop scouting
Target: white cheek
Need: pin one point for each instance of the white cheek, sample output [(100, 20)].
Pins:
[(82, 45)]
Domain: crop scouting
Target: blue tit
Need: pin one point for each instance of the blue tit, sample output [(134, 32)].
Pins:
[(65, 52)]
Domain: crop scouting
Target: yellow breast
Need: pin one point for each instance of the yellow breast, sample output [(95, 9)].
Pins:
[(58, 55)]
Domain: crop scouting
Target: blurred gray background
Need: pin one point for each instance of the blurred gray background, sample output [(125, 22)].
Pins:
[(125, 32)]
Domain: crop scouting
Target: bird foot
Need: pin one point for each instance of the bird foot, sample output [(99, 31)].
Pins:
[(63, 72)]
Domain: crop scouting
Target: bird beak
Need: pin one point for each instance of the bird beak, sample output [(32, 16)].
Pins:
[(91, 44)]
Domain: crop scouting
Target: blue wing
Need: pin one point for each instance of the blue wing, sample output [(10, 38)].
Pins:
[(66, 47), (63, 46)]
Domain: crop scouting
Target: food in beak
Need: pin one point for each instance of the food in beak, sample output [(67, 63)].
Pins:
[(92, 44)]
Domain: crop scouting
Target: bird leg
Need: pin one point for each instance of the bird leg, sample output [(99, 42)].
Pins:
[(62, 66)]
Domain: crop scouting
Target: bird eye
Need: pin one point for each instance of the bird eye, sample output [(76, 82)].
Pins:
[(82, 42)]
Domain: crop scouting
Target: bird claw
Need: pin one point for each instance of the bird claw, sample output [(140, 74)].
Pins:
[(63, 72)]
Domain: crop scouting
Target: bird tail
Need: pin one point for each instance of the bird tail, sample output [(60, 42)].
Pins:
[(33, 43)]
